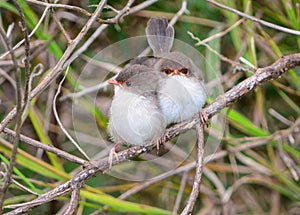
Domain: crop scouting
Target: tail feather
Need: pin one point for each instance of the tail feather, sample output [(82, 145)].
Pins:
[(160, 36)]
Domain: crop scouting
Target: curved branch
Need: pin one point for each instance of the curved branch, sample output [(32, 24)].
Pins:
[(261, 76)]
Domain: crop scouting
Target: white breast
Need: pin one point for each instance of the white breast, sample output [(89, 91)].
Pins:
[(180, 98), (135, 119)]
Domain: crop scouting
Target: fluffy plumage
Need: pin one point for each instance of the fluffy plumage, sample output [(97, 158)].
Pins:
[(135, 118), (180, 95), (181, 92)]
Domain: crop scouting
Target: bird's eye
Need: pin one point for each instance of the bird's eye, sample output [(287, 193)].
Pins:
[(167, 71), (128, 83), (185, 71)]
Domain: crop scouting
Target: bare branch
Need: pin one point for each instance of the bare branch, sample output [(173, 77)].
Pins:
[(262, 75), (141, 6), (59, 121), (30, 35), (222, 57), (218, 35), (265, 23), (27, 51), (199, 169), (68, 7), (61, 27), (74, 200), (121, 13), (180, 192), (59, 66), (8, 78), (18, 108), (86, 44), (56, 151), (182, 10)]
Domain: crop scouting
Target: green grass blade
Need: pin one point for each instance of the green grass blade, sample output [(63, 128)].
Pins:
[(21, 175), (121, 206), (34, 164), (244, 124), (44, 138)]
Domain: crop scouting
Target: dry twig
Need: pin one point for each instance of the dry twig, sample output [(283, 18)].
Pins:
[(18, 108), (199, 168), (265, 23), (59, 66), (261, 76)]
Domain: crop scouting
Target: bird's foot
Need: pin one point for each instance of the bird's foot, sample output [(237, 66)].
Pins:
[(157, 145), (203, 118), (113, 154)]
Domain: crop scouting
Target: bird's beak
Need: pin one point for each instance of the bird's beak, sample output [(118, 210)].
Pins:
[(175, 72), (114, 82)]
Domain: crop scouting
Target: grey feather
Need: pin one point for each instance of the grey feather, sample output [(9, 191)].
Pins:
[(160, 36)]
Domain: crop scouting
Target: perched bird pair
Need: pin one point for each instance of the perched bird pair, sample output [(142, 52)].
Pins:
[(153, 92)]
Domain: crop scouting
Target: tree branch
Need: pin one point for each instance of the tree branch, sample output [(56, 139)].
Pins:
[(261, 76), (18, 108), (199, 169)]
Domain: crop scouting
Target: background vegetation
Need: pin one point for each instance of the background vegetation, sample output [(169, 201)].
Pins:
[(258, 172)]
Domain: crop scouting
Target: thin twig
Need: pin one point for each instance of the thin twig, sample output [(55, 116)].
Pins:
[(8, 78), (262, 75), (59, 121), (4, 172), (24, 188), (59, 66), (289, 162), (220, 34), (199, 169), (68, 7), (180, 192), (86, 44), (74, 200), (222, 57), (39, 145), (37, 70), (215, 180), (280, 117), (265, 23), (141, 6), (182, 10), (30, 35), (48, 114), (184, 18), (60, 26), (27, 51), (121, 13), (107, 66), (18, 108)]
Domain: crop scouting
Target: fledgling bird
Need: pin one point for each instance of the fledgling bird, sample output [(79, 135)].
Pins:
[(181, 92), (135, 118)]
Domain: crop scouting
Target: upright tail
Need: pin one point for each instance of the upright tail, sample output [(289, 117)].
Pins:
[(160, 36)]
